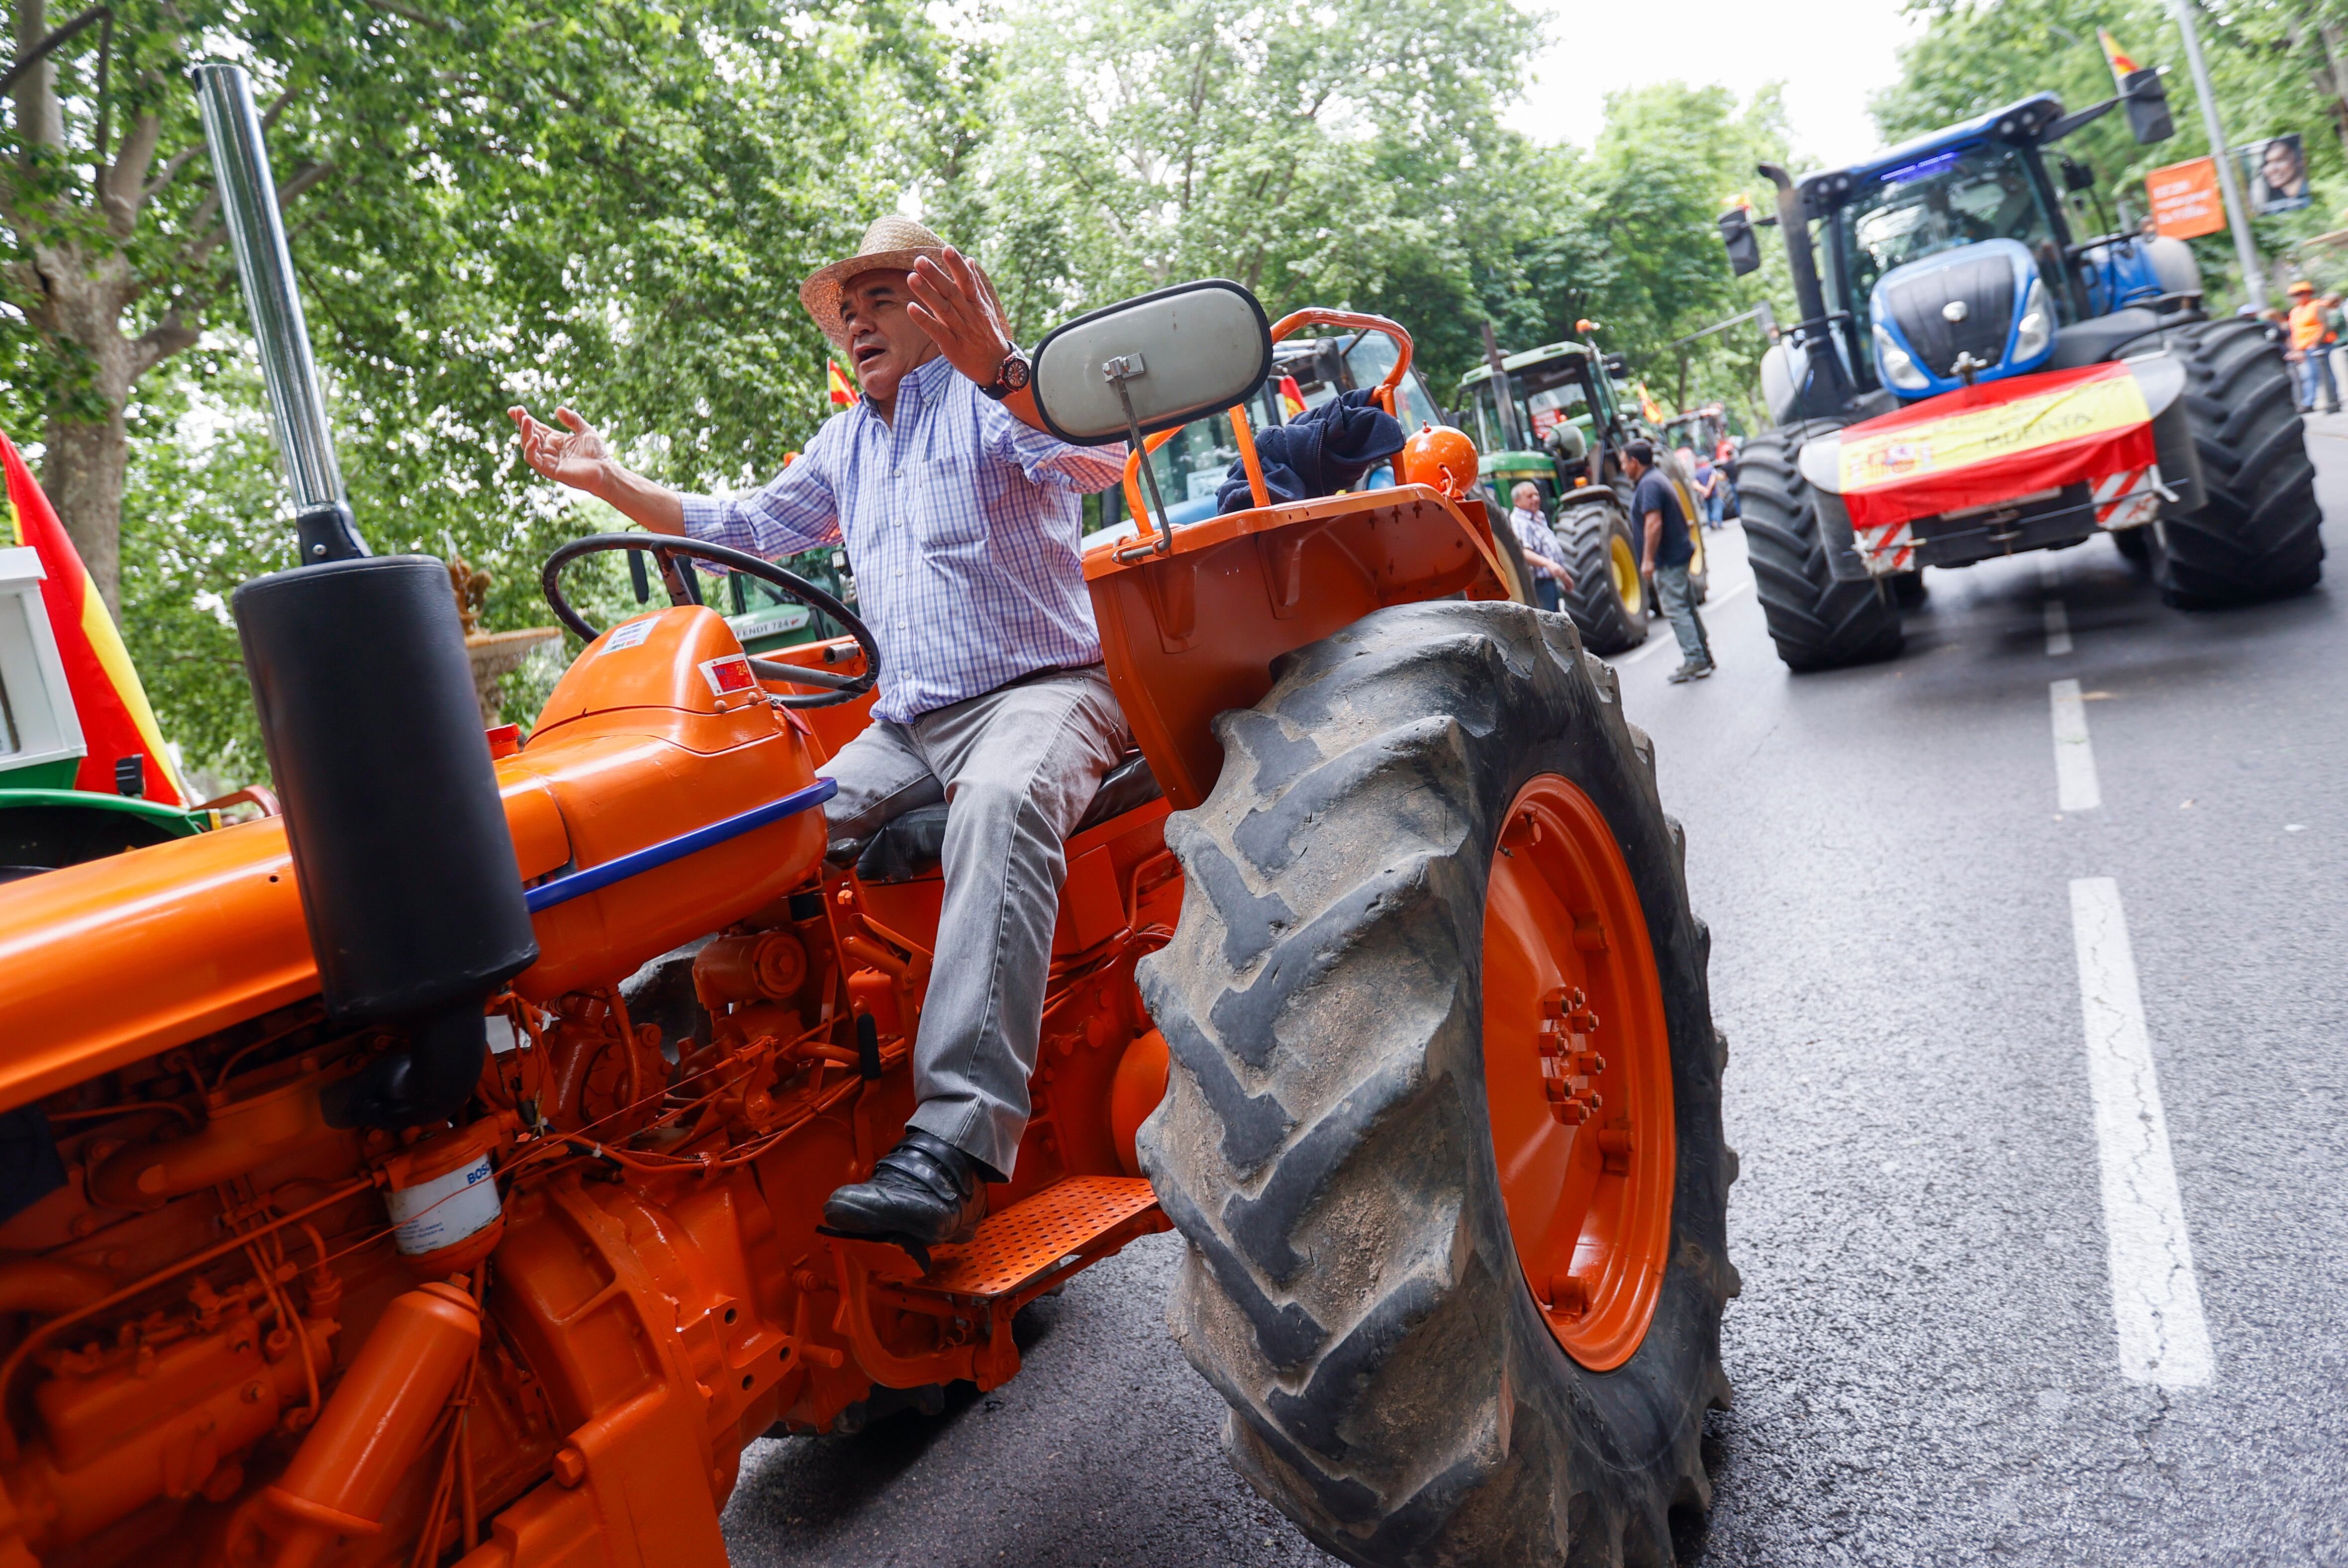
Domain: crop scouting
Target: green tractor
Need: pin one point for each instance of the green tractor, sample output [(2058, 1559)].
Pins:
[(1713, 433), (1555, 416)]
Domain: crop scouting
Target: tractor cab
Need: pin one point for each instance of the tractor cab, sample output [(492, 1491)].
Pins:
[(1559, 424), (1951, 260)]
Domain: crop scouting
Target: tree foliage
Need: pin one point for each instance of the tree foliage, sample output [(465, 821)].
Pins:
[(611, 205)]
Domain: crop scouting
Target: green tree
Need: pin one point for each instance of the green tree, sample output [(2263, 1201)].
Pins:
[(606, 203), (1340, 155), (453, 178)]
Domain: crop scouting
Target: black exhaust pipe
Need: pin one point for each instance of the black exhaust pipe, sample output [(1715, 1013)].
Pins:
[(365, 696), (1825, 389)]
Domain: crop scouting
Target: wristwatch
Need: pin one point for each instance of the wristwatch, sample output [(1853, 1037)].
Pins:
[(1011, 377)]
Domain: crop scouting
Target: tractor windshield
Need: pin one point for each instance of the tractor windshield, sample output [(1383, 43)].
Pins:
[(1960, 197), (1546, 396)]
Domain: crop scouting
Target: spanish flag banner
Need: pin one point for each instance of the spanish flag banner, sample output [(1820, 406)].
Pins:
[(843, 390), (1291, 398), (2123, 66), (1980, 444), (117, 725)]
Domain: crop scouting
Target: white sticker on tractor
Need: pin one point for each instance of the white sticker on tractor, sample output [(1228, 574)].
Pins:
[(444, 1210), (629, 635)]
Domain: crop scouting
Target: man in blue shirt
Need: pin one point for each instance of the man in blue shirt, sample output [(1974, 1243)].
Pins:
[(1668, 550), (959, 518)]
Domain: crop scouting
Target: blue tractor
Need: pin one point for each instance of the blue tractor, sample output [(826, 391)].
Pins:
[(1969, 379)]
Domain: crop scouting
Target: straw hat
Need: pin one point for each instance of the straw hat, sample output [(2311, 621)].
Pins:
[(891, 244)]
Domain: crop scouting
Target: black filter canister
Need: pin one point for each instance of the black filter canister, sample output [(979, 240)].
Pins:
[(399, 839)]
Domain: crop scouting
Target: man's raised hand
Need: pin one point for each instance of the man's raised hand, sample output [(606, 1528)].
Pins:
[(578, 458), (950, 305)]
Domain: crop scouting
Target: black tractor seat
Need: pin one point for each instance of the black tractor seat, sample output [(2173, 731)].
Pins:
[(909, 845)]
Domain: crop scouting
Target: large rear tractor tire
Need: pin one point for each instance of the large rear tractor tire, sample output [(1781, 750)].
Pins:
[(1817, 621), (1444, 1135), (1608, 604), (2259, 534)]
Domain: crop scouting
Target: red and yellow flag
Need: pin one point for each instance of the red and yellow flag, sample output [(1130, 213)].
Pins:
[(1979, 444), (1291, 398), (116, 722), (2123, 66), (843, 390)]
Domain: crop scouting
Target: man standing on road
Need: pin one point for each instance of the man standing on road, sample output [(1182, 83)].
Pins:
[(1666, 555), (960, 518), (1542, 551), (2310, 341)]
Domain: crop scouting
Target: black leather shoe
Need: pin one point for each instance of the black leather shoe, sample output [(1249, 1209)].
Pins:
[(923, 1192)]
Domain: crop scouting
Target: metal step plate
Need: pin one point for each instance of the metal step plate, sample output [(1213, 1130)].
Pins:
[(1033, 1236)]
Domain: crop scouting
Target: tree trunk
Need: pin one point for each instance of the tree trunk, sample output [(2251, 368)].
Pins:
[(83, 476), (82, 467)]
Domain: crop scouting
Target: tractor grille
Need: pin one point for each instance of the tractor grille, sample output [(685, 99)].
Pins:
[(1916, 306)]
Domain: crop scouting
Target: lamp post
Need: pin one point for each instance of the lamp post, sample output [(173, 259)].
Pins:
[(2246, 246)]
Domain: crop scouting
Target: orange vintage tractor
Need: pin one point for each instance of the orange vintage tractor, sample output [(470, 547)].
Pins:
[(1374, 976)]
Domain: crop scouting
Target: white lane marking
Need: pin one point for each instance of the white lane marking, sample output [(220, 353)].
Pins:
[(1661, 635), (2058, 628), (2050, 571), (2156, 1300), (2076, 789)]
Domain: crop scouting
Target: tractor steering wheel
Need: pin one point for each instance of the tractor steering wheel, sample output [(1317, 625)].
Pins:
[(667, 550)]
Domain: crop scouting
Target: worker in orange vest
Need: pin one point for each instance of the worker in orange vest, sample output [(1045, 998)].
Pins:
[(2310, 349)]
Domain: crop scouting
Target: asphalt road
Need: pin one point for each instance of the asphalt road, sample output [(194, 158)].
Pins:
[(1946, 1176)]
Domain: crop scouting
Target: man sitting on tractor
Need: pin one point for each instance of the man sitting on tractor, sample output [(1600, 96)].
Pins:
[(960, 519)]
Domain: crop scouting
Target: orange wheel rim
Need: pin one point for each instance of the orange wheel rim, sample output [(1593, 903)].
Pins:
[(1577, 1074)]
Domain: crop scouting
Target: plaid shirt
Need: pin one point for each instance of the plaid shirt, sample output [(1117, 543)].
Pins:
[(1535, 535), (961, 523)]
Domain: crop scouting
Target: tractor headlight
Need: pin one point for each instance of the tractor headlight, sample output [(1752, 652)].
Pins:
[(1898, 369), (2037, 328)]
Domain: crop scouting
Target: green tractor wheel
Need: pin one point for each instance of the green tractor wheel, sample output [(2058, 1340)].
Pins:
[(1609, 600)]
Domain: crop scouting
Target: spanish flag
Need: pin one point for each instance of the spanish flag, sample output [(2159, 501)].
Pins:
[(1292, 399), (843, 390), (2122, 66), (118, 727), (1649, 410)]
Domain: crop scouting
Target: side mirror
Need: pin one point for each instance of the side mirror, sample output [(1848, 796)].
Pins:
[(1618, 366), (1744, 245), (1151, 364), (2077, 176), (2146, 103)]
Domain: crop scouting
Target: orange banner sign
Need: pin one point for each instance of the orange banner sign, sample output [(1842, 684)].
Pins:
[(2185, 200)]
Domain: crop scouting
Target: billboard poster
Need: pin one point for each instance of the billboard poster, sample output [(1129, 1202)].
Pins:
[(2274, 174), (2184, 200)]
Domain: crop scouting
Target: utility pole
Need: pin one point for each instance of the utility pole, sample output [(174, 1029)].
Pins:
[(2246, 245)]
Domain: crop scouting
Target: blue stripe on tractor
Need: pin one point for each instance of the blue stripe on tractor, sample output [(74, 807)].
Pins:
[(562, 890)]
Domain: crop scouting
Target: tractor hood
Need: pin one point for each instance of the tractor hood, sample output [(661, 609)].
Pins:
[(1977, 313)]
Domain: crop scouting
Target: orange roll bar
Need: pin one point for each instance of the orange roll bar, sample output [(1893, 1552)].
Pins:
[(1145, 528), (1361, 320)]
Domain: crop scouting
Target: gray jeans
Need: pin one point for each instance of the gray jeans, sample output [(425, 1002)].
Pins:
[(1672, 586), (1018, 767)]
